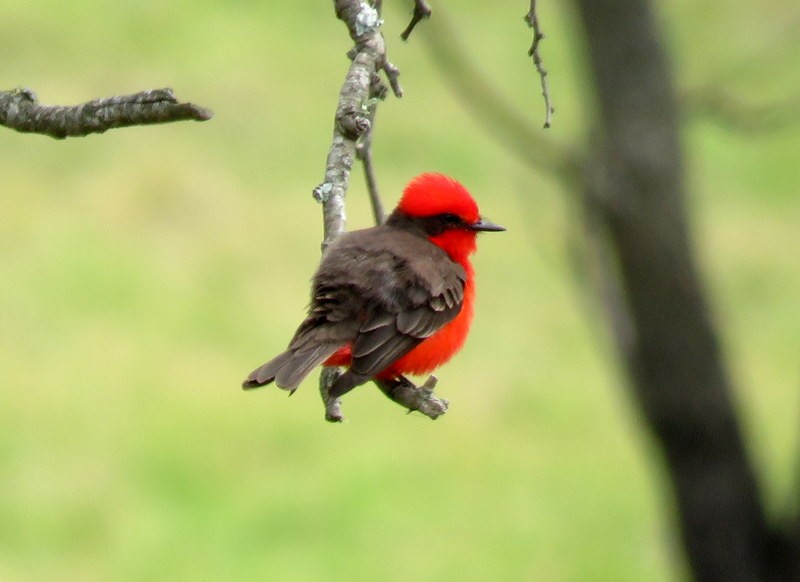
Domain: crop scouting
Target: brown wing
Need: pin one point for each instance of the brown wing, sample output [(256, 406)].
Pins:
[(387, 337), (380, 290), (426, 294)]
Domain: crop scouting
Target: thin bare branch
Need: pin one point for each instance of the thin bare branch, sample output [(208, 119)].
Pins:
[(502, 120), (364, 153), (421, 12), (533, 21), (364, 150), (20, 110), (354, 113)]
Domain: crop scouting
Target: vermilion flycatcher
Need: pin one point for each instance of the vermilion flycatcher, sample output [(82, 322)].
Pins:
[(390, 300)]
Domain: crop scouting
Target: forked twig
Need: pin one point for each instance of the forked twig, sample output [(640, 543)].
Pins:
[(421, 12), (533, 21)]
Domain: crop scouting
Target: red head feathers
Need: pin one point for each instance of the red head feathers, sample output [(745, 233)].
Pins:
[(431, 194)]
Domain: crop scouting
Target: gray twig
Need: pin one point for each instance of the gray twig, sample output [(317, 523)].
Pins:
[(364, 149), (364, 153), (352, 112), (533, 21), (500, 118), (415, 398), (353, 121), (421, 12), (20, 110)]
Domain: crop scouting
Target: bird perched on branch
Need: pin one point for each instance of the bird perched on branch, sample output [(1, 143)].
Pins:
[(389, 300)]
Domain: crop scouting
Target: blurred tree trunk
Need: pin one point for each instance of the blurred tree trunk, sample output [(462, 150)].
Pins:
[(634, 193), (640, 253)]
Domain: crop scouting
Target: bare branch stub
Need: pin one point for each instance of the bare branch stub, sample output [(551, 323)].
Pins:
[(421, 12), (533, 21), (21, 111), (392, 73), (415, 398), (333, 406)]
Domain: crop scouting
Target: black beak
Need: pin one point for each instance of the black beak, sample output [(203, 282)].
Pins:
[(484, 225)]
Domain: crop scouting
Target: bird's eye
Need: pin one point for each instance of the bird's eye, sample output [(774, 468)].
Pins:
[(450, 219)]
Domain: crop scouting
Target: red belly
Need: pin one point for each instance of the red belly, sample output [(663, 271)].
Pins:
[(428, 355)]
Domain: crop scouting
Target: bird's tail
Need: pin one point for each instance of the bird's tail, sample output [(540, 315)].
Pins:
[(288, 369)]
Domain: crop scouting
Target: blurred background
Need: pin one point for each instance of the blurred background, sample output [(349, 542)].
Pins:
[(145, 272)]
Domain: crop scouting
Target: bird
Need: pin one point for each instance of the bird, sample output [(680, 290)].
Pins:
[(390, 300)]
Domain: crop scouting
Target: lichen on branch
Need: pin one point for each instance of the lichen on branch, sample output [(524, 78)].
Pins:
[(361, 90), (368, 58)]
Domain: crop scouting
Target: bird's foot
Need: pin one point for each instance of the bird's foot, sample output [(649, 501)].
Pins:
[(415, 398), (333, 406)]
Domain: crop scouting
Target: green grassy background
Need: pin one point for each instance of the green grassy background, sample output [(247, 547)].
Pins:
[(144, 272)]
